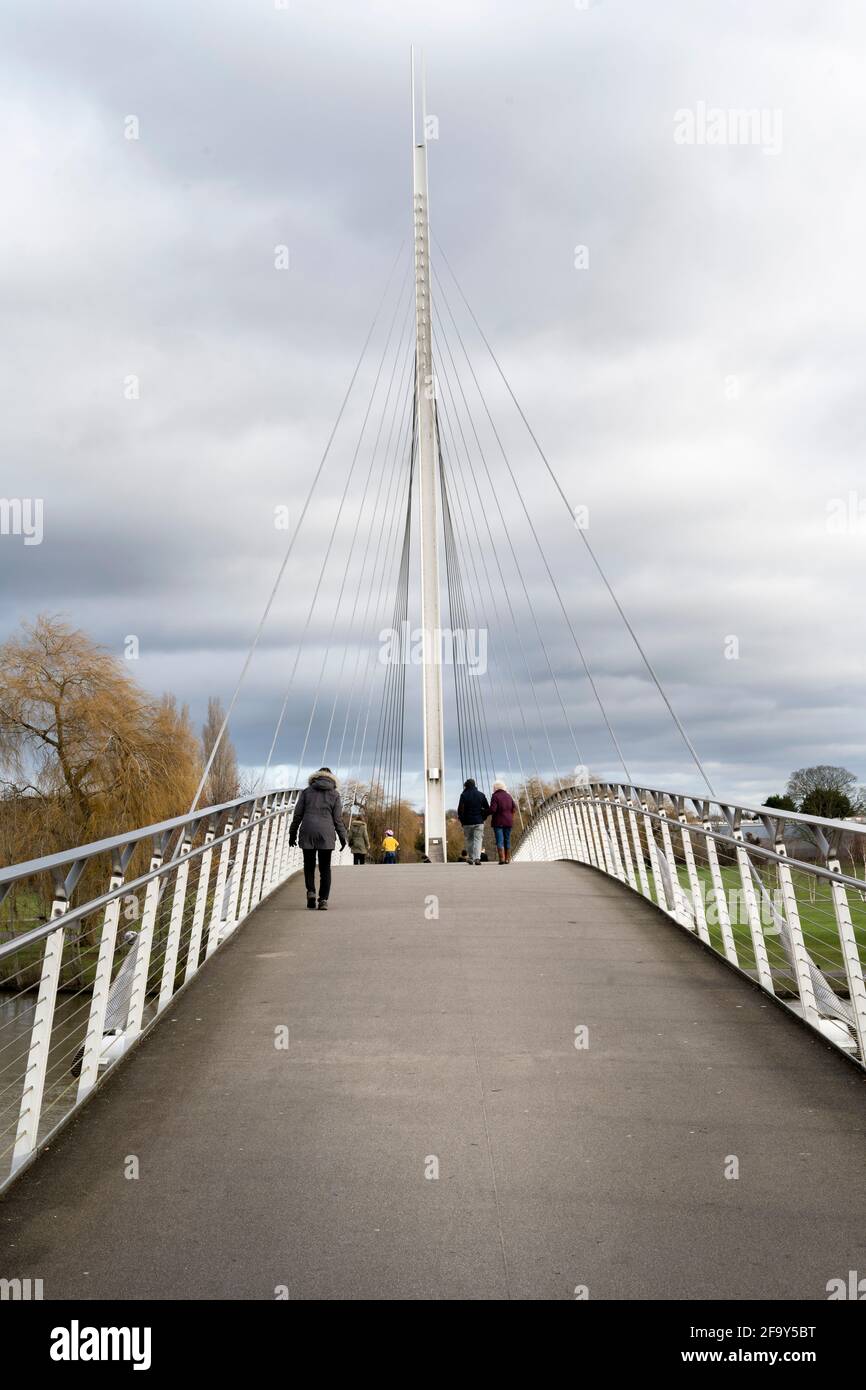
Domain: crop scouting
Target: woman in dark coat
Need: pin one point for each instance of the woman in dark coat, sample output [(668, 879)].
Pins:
[(502, 808), (316, 824)]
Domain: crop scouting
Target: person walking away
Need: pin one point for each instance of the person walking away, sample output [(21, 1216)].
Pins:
[(316, 824), (472, 811), (390, 844), (502, 808), (359, 841)]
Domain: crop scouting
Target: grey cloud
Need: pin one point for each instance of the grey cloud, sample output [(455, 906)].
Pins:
[(262, 127)]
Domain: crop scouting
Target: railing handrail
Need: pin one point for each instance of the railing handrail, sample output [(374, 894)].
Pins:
[(74, 914), (819, 870), (704, 799), (49, 862)]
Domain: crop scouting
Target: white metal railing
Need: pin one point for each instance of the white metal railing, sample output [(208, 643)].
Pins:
[(78, 990), (763, 888)]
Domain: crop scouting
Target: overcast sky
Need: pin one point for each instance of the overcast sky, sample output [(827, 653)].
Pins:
[(698, 384)]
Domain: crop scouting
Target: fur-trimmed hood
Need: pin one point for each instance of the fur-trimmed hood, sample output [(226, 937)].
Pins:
[(322, 778)]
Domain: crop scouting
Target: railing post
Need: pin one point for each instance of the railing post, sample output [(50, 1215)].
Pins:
[(850, 953), (553, 823), (277, 865), (680, 903), (607, 862), (238, 874), (631, 812), (144, 947), (172, 944), (622, 841), (613, 839), (802, 972), (576, 830), (719, 893), (40, 1041), (759, 946), (193, 950), (101, 984), (601, 859), (652, 851), (272, 868), (563, 846), (691, 869), (544, 828), (228, 844), (592, 846), (252, 837), (265, 843)]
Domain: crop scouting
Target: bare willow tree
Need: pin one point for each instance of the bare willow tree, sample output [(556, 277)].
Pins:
[(84, 750), (223, 781)]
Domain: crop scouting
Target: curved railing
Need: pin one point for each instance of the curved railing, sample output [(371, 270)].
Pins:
[(765, 889), (123, 925)]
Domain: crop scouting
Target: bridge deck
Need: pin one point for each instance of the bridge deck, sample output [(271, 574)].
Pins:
[(412, 1037)]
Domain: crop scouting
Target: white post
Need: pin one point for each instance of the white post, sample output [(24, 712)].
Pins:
[(194, 949), (141, 968), (428, 484), (175, 926), (101, 990), (36, 1071)]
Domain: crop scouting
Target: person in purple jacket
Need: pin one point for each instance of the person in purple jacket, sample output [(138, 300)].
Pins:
[(502, 808)]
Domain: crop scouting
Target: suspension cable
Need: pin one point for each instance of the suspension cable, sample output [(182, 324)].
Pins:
[(282, 569), (505, 589), (591, 552), (542, 553)]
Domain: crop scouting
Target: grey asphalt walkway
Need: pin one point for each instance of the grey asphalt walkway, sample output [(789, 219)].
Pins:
[(414, 1037)]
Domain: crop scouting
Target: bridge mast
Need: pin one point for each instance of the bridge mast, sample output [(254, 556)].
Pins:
[(428, 486)]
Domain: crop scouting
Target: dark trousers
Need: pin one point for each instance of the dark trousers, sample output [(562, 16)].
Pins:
[(359, 858), (324, 871)]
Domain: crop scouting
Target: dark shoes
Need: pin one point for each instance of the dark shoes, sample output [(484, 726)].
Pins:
[(311, 902), (323, 904)]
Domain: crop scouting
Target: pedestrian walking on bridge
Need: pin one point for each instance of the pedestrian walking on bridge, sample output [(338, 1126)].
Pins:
[(472, 811), (359, 841), (502, 808), (316, 824)]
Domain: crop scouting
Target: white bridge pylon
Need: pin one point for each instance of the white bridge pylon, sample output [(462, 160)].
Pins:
[(428, 492)]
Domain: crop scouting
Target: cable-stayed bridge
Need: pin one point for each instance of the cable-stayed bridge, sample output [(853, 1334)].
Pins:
[(629, 1067)]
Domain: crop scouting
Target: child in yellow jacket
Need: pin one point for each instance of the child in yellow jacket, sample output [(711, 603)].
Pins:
[(390, 845)]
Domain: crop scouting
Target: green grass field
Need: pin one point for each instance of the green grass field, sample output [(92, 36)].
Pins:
[(817, 919)]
